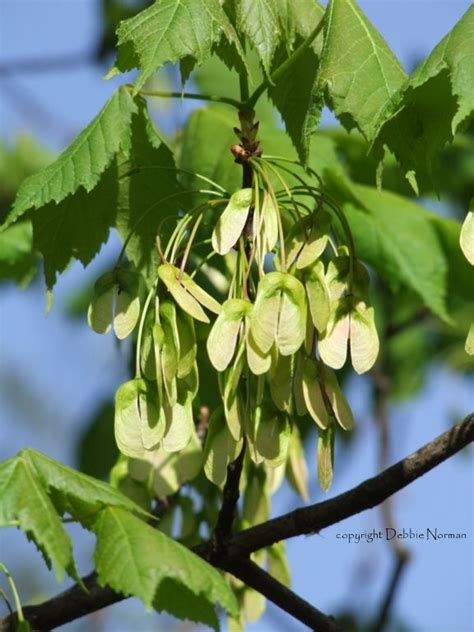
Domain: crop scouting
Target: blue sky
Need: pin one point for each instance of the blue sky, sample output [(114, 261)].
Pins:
[(60, 361)]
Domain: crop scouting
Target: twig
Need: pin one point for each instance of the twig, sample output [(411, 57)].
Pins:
[(231, 494), (368, 494), (75, 603), (258, 579), (401, 554), (389, 597), (65, 607), (189, 95)]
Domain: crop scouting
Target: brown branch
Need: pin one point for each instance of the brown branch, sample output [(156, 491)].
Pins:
[(65, 607), (368, 494), (75, 603), (258, 579)]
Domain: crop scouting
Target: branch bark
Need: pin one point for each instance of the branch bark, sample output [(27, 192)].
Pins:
[(230, 498), (258, 579), (368, 494), (75, 603)]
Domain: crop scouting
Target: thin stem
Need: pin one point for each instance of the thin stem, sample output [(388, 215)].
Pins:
[(150, 208), (280, 71), (230, 498), (271, 192), (16, 597), (142, 326), (189, 244), (243, 83), (190, 95), (4, 596), (203, 261), (189, 172), (329, 201), (175, 239), (284, 184), (270, 161), (252, 575)]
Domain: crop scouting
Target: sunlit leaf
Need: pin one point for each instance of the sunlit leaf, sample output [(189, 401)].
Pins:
[(432, 105), (36, 491), (169, 31), (358, 71), (83, 162), (125, 546)]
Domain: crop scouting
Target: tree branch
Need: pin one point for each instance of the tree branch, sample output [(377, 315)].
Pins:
[(65, 607), (368, 494), (395, 579), (258, 579), (231, 494), (401, 553), (75, 603)]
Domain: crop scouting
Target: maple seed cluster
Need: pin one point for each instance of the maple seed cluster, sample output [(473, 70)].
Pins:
[(296, 303)]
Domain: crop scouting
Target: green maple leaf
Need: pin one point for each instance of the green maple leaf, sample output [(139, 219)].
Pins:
[(358, 73), (295, 93), (136, 559), (170, 31), (36, 490), (147, 191), (88, 190), (83, 162), (384, 226), (18, 260), (260, 21), (433, 104)]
